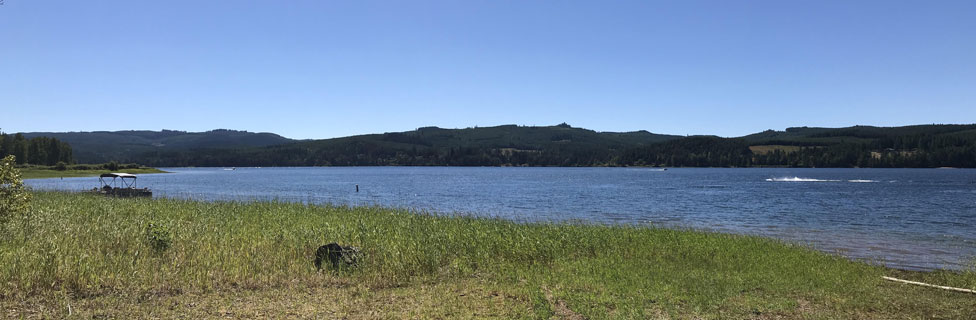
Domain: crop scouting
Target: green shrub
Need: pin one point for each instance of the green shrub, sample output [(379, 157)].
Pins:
[(113, 166), (61, 166), (130, 166), (158, 236)]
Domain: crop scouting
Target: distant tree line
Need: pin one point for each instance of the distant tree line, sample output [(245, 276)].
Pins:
[(720, 152), (701, 151), (859, 146), (911, 152), (917, 151), (38, 150), (368, 154)]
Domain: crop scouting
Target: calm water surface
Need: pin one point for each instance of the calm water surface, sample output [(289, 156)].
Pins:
[(905, 218)]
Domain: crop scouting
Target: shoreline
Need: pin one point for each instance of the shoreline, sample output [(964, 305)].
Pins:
[(33, 173), (857, 243)]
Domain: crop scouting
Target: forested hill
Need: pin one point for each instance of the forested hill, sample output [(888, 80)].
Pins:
[(867, 146), (922, 146), (562, 145), (131, 146), (507, 145)]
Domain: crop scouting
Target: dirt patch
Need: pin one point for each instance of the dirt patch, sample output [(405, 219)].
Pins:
[(559, 307)]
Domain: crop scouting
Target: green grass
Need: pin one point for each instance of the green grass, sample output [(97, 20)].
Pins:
[(255, 260), (40, 173)]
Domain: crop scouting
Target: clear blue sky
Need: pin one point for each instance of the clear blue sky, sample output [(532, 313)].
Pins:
[(320, 69)]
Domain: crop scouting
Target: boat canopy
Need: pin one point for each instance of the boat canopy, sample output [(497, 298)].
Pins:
[(128, 180), (118, 175), (120, 185)]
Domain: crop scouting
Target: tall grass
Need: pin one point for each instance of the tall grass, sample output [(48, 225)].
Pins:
[(88, 245)]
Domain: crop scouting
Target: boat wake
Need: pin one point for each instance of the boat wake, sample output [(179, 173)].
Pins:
[(798, 179)]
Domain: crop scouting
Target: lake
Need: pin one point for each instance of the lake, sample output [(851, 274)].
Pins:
[(905, 218)]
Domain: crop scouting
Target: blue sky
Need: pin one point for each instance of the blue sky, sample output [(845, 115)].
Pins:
[(321, 69)]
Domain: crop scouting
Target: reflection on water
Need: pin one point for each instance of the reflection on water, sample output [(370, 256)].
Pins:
[(907, 218)]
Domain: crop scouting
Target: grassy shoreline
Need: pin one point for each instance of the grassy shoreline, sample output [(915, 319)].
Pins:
[(255, 260), (39, 173)]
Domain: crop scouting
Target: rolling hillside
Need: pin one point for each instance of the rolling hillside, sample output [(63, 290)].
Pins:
[(812, 136), (507, 145), (129, 146), (561, 145)]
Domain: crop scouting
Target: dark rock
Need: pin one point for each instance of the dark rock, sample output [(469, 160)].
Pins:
[(336, 255)]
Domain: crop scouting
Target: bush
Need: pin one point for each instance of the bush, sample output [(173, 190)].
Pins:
[(113, 166), (158, 237), (130, 166), (14, 197), (83, 167), (61, 166)]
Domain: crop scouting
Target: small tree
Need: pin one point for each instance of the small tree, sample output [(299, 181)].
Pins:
[(14, 196), (61, 166), (113, 166)]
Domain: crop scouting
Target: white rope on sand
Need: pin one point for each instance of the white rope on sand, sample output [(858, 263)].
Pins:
[(930, 285)]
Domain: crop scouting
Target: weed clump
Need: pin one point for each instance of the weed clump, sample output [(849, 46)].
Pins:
[(338, 256), (158, 236)]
